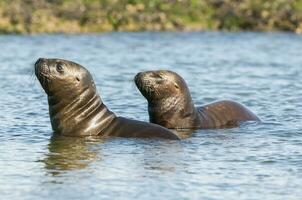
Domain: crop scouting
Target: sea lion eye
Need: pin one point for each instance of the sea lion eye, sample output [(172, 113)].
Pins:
[(59, 67), (159, 80), (159, 77)]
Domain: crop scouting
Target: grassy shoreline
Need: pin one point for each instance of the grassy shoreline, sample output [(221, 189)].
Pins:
[(93, 16)]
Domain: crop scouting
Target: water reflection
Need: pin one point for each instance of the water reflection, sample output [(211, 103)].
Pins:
[(183, 133), (262, 71), (162, 157), (70, 153)]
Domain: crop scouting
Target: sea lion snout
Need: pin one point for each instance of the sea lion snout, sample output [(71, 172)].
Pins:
[(146, 77), (143, 75), (137, 77), (41, 68), (40, 60), (140, 79), (42, 72), (143, 78)]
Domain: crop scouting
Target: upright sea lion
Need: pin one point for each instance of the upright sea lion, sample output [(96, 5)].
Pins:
[(76, 109), (170, 104)]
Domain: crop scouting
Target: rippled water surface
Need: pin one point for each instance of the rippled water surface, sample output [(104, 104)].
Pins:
[(254, 161)]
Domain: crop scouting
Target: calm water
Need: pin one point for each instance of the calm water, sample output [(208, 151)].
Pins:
[(255, 161)]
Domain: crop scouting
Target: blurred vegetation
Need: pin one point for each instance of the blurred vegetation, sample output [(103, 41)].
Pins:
[(78, 16)]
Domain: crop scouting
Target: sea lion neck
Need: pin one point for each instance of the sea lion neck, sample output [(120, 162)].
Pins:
[(73, 113), (167, 112)]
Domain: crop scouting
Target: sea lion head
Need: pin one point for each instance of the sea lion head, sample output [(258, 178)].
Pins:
[(62, 76), (168, 97), (160, 85), (74, 104)]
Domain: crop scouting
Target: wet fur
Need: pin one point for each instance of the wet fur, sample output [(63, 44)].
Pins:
[(170, 104)]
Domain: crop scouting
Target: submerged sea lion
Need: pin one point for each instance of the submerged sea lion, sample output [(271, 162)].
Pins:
[(170, 104), (76, 109)]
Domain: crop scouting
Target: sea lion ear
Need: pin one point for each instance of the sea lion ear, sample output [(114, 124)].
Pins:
[(78, 78), (176, 85)]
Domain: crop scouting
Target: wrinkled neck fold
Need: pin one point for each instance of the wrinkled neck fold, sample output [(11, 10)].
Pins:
[(172, 107), (75, 112)]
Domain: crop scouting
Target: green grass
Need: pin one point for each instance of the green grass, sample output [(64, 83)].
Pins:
[(77, 16)]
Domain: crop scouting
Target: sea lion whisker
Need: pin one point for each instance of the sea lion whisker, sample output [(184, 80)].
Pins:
[(48, 77), (148, 88), (45, 82), (150, 91), (157, 92), (32, 77), (139, 85), (32, 74)]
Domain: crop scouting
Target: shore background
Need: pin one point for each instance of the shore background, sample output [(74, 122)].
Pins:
[(85, 16)]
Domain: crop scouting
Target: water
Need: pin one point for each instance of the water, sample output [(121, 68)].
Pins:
[(254, 161)]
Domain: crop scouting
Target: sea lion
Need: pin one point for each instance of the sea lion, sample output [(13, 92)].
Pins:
[(170, 104), (76, 109)]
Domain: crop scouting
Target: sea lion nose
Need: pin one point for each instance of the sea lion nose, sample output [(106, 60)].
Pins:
[(39, 61), (137, 76)]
